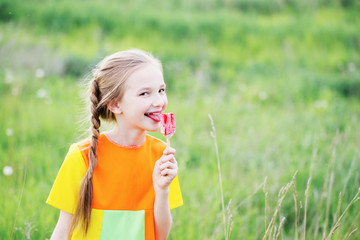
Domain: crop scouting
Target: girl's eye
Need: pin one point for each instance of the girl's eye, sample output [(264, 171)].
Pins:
[(143, 94), (162, 90)]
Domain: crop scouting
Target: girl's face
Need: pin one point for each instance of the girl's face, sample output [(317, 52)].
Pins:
[(144, 99)]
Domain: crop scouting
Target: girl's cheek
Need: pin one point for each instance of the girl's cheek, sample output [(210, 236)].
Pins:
[(165, 103)]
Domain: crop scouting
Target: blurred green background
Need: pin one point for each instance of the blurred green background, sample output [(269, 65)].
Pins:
[(281, 79)]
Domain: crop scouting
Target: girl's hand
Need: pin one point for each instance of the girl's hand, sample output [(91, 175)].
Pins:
[(165, 170)]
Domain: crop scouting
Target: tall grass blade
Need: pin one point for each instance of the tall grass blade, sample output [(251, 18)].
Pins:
[(213, 135), (306, 205), (21, 194), (337, 224)]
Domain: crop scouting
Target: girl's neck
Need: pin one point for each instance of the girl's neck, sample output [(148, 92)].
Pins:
[(127, 138)]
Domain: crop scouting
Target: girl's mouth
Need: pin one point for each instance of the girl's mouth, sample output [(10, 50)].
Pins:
[(155, 116)]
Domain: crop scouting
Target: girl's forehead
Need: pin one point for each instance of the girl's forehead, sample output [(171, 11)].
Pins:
[(147, 76)]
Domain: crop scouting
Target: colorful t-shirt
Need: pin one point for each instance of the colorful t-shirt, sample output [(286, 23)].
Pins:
[(123, 193)]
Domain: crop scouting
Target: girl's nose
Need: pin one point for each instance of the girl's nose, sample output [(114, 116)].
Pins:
[(159, 100)]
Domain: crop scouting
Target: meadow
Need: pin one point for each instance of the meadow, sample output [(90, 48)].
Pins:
[(280, 79)]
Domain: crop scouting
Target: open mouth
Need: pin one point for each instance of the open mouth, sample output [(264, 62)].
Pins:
[(155, 116)]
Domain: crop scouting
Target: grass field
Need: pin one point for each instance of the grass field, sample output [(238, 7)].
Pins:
[(280, 79)]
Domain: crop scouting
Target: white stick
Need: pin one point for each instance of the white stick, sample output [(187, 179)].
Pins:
[(168, 142)]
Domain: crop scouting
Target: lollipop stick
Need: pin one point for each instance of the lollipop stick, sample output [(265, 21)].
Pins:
[(168, 142)]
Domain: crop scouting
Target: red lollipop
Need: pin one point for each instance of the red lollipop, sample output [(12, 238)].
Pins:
[(167, 126)]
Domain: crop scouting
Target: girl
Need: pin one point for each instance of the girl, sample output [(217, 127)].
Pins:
[(120, 184)]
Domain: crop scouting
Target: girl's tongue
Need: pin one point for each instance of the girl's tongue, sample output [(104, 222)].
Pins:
[(154, 116)]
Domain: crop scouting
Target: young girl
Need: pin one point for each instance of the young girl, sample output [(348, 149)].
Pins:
[(120, 184)]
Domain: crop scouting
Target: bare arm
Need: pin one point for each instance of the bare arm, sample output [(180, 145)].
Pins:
[(61, 230), (164, 172), (162, 215)]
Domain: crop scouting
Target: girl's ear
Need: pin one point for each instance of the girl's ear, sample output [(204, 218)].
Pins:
[(114, 107)]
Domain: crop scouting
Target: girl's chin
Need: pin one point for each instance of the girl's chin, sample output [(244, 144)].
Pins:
[(151, 130), (154, 128)]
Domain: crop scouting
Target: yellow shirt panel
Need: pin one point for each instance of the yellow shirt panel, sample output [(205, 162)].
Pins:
[(65, 191), (175, 197), (94, 231)]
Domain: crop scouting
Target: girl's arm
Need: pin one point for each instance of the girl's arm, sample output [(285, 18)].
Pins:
[(162, 216), (164, 172), (61, 230)]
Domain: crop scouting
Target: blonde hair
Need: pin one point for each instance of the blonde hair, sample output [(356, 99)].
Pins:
[(107, 84)]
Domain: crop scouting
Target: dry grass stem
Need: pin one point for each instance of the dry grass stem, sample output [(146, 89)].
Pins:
[(21, 194), (338, 208), (248, 198), (306, 205), (296, 213), (348, 175), (325, 191), (280, 226), (356, 181), (230, 223), (350, 234), (266, 197), (337, 215), (328, 202), (317, 226), (274, 235), (354, 224), (213, 135), (282, 193), (337, 224)]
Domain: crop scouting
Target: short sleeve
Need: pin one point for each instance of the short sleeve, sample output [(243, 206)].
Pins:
[(65, 191), (175, 197)]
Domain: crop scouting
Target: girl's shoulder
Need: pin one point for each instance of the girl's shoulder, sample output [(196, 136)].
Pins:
[(83, 144), (155, 142)]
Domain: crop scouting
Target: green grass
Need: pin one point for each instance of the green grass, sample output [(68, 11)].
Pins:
[(280, 81)]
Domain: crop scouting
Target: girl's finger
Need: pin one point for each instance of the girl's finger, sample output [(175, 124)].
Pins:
[(169, 165), (167, 158), (173, 160), (169, 150), (169, 172)]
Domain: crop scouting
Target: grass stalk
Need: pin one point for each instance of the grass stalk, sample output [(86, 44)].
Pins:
[(306, 205), (352, 232), (213, 135), (282, 193), (356, 180), (326, 185), (249, 197), (354, 224), (317, 226), (337, 224), (328, 202), (296, 213), (230, 223), (266, 198), (280, 226), (339, 207), (338, 212), (274, 234), (21, 194), (356, 155)]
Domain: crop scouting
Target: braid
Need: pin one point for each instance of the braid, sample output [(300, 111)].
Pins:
[(95, 98), (83, 209)]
